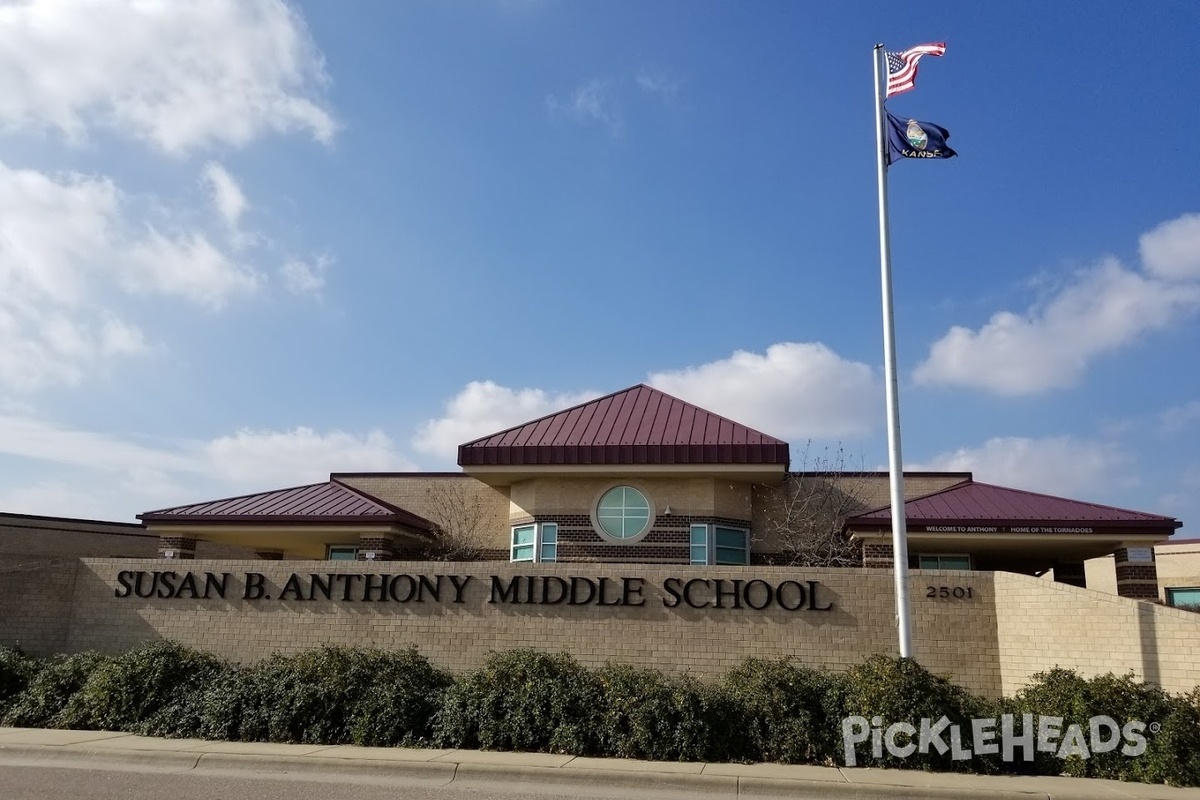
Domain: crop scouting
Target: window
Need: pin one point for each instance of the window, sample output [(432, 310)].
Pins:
[(720, 544), (1189, 598), (548, 549), (537, 541), (342, 553), (623, 513), (945, 562)]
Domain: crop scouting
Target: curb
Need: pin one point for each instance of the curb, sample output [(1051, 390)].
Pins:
[(41, 755), (340, 770), (515, 779), (597, 782), (754, 788)]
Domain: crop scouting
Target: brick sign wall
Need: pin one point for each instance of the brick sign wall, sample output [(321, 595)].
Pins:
[(698, 620)]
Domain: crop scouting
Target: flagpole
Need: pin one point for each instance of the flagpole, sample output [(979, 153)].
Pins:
[(895, 461)]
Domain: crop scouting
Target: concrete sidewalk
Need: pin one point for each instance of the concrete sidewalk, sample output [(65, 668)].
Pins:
[(539, 772)]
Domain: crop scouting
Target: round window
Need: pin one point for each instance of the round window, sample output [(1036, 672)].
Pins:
[(623, 513)]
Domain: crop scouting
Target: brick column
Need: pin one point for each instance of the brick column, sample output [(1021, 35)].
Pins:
[(376, 547), (176, 547), (269, 555), (1136, 577), (1070, 573), (877, 554)]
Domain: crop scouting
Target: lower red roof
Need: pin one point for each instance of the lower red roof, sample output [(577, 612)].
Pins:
[(972, 503), (326, 503)]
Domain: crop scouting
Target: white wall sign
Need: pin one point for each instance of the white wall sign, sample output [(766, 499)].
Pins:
[(1141, 555)]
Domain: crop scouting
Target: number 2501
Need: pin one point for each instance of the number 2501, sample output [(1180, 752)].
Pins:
[(957, 592)]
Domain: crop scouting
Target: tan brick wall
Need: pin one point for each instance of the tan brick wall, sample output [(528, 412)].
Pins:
[(1101, 574), (417, 493), (686, 496), (998, 631), (37, 596), (875, 490), (958, 636), (1042, 624), (1178, 566), (732, 500), (702, 497), (862, 492), (66, 538)]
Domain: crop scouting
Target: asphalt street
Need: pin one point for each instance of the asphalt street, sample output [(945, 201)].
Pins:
[(87, 765), (64, 783)]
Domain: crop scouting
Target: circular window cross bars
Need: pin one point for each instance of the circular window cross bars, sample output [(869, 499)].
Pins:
[(623, 513)]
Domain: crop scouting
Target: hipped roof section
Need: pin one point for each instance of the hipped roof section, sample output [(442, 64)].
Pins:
[(328, 503), (638, 425), (972, 503)]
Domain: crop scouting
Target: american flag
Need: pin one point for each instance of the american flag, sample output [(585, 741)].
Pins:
[(902, 67)]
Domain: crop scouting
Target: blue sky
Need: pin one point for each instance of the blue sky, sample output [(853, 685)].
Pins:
[(244, 243)]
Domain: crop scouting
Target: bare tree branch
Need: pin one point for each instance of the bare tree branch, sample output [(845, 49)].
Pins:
[(808, 512), (461, 519)]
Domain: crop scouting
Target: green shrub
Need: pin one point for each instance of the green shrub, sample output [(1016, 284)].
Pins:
[(532, 701), (787, 713), (1056, 693), (1123, 699), (400, 705), (43, 700), (901, 690), (153, 690), (522, 700), (1173, 753), (333, 695), (16, 669), (644, 714)]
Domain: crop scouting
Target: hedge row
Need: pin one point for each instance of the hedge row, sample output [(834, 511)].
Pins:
[(526, 700)]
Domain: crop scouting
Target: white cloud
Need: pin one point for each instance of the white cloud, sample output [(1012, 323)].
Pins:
[(591, 102), (1179, 418), (1061, 465), (35, 438), (1182, 500), (1172, 250), (793, 391), (179, 74), (63, 241), (55, 237), (659, 83), (484, 407), (302, 278), (186, 265), (225, 193), (62, 498), (115, 476), (51, 229), (68, 245), (1101, 310), (301, 455)]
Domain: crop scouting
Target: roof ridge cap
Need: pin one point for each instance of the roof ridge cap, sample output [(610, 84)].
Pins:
[(888, 506), (368, 496)]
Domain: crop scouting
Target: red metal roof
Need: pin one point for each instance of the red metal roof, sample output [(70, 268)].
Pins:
[(638, 425), (973, 503), (328, 503)]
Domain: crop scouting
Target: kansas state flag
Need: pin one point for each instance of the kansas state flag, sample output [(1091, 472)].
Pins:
[(910, 138)]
